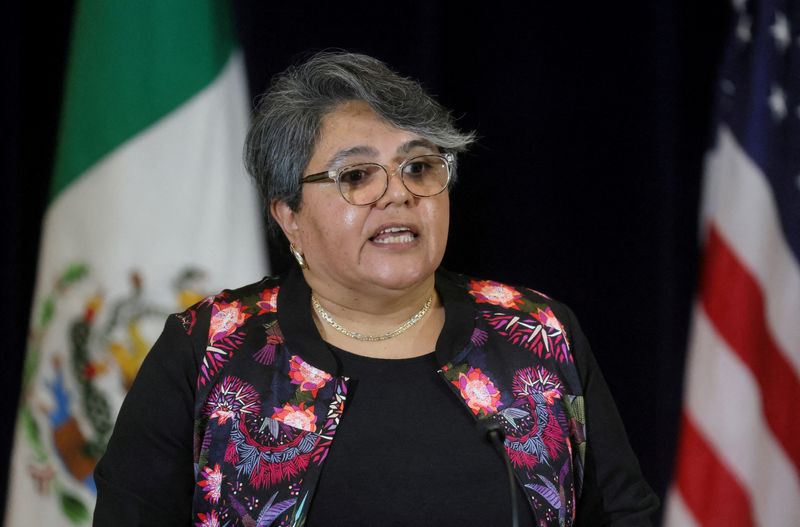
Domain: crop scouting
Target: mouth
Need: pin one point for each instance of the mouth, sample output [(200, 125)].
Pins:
[(390, 234)]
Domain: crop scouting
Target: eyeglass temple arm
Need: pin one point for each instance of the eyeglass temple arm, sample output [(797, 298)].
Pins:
[(312, 178)]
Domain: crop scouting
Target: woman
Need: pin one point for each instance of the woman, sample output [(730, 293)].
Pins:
[(358, 389)]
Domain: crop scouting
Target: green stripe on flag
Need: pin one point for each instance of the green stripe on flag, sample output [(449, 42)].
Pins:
[(130, 64)]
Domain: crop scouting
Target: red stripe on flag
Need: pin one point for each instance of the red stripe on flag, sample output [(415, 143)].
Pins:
[(710, 491), (735, 305)]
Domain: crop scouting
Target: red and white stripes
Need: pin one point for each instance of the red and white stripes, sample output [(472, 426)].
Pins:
[(739, 451)]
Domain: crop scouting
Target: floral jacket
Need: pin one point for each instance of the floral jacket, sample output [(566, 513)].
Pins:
[(269, 400), (242, 388)]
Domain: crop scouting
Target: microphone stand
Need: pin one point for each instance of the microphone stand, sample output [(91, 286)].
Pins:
[(493, 432)]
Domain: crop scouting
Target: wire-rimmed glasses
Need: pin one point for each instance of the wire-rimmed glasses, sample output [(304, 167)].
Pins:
[(366, 183)]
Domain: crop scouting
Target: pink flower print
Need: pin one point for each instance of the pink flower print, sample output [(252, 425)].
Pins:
[(478, 392), (489, 292), (207, 520), (547, 318), (212, 484), (230, 398), (297, 416), (268, 301), (225, 319), (307, 376), (536, 380)]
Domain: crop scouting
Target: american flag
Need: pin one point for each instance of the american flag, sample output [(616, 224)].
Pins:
[(739, 450)]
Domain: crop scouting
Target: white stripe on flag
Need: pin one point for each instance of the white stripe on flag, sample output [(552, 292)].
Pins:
[(676, 512), (723, 400), (175, 176), (740, 202)]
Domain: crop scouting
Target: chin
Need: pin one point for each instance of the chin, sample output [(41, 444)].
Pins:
[(398, 277)]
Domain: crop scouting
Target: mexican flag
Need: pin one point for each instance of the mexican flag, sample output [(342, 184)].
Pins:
[(150, 210)]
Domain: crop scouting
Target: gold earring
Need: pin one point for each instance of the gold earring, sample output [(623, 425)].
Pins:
[(301, 261)]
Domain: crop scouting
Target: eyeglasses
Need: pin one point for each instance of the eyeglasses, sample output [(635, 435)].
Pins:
[(366, 183)]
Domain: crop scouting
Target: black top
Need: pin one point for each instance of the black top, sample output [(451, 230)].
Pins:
[(426, 465), (146, 476)]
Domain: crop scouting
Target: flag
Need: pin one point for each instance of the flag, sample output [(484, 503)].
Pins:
[(150, 210), (738, 460)]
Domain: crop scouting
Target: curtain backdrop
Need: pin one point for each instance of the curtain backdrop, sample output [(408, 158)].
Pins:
[(592, 119)]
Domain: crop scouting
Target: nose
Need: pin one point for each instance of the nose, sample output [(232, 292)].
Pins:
[(396, 191)]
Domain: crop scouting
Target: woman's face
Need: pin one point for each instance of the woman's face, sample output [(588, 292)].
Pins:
[(395, 243)]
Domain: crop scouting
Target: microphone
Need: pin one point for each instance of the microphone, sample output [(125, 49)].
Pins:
[(493, 432)]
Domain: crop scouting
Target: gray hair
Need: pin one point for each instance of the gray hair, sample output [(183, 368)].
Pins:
[(286, 123)]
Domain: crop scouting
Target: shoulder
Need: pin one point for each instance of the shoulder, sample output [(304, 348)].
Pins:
[(231, 306), (511, 299), (494, 292)]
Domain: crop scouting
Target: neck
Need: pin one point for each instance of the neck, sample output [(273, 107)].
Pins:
[(379, 312), (370, 306)]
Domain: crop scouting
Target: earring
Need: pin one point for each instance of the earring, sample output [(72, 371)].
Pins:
[(301, 261)]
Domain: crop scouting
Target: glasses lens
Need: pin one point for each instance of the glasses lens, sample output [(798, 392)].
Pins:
[(426, 175), (362, 184)]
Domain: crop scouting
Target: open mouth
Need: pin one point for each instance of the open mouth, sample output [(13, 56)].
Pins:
[(394, 234)]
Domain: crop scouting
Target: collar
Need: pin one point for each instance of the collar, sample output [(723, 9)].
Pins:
[(301, 335)]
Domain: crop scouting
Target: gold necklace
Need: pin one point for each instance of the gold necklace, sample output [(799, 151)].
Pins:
[(324, 315)]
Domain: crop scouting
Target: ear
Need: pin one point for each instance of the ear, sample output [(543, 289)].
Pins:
[(287, 219)]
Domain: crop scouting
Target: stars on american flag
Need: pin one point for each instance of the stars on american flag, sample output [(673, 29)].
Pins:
[(728, 87), (782, 36), (744, 24), (759, 96), (781, 32), (777, 103), (743, 31)]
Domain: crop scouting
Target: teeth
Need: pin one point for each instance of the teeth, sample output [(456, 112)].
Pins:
[(394, 229), (394, 235), (405, 238)]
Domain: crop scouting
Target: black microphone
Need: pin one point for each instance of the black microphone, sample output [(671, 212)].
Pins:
[(493, 432)]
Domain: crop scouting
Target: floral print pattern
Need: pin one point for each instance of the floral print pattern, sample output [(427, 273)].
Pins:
[(537, 390), (538, 379), (478, 392), (212, 484), (489, 292), (545, 316), (231, 398), (225, 319), (266, 461), (297, 416), (543, 423), (266, 416), (207, 520), (268, 301), (307, 376), (531, 334), (266, 355)]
